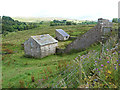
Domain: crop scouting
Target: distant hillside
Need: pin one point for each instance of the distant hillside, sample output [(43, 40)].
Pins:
[(47, 19), (39, 19)]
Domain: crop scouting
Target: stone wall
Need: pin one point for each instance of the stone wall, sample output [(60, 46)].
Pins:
[(104, 22), (32, 48), (59, 51), (90, 37), (48, 50), (70, 38)]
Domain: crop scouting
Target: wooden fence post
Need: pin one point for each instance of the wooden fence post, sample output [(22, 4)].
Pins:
[(80, 71)]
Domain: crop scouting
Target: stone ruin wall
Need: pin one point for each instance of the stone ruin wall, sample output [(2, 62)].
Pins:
[(85, 40), (90, 37)]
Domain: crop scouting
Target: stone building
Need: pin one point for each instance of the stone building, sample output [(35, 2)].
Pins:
[(61, 34), (40, 46)]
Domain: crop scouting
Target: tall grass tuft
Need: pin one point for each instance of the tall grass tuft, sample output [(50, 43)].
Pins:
[(32, 78)]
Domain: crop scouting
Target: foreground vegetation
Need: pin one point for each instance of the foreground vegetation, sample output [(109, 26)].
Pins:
[(100, 69)]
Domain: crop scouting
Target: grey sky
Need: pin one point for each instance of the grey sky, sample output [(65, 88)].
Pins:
[(76, 9)]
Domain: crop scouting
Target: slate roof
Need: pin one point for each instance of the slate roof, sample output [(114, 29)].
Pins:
[(62, 32), (44, 39)]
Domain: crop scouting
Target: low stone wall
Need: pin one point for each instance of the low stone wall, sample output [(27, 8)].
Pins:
[(72, 38), (59, 51)]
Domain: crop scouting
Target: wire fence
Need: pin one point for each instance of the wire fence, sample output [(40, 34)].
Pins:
[(72, 75), (68, 77), (66, 74)]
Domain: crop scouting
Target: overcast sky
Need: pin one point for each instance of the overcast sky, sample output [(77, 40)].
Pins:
[(76, 9)]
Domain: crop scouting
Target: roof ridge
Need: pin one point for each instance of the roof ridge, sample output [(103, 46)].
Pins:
[(62, 32), (45, 40)]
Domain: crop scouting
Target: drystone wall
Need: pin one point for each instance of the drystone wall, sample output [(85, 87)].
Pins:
[(90, 37)]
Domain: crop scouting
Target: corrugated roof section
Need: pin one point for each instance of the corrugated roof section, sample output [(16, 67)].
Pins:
[(62, 32), (44, 39)]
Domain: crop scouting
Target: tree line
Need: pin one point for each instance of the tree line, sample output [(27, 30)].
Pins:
[(61, 22), (115, 20), (88, 22), (10, 25)]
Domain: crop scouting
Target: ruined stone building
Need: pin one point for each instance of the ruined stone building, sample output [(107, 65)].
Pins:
[(90, 37), (40, 46), (61, 34)]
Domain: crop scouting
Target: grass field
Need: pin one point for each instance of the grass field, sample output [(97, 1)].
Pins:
[(18, 69)]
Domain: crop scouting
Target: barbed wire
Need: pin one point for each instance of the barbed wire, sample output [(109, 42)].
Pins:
[(66, 77)]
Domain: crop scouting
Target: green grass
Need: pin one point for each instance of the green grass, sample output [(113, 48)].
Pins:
[(16, 67)]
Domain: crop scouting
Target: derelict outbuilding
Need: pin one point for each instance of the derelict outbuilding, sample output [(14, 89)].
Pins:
[(61, 34), (40, 46)]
